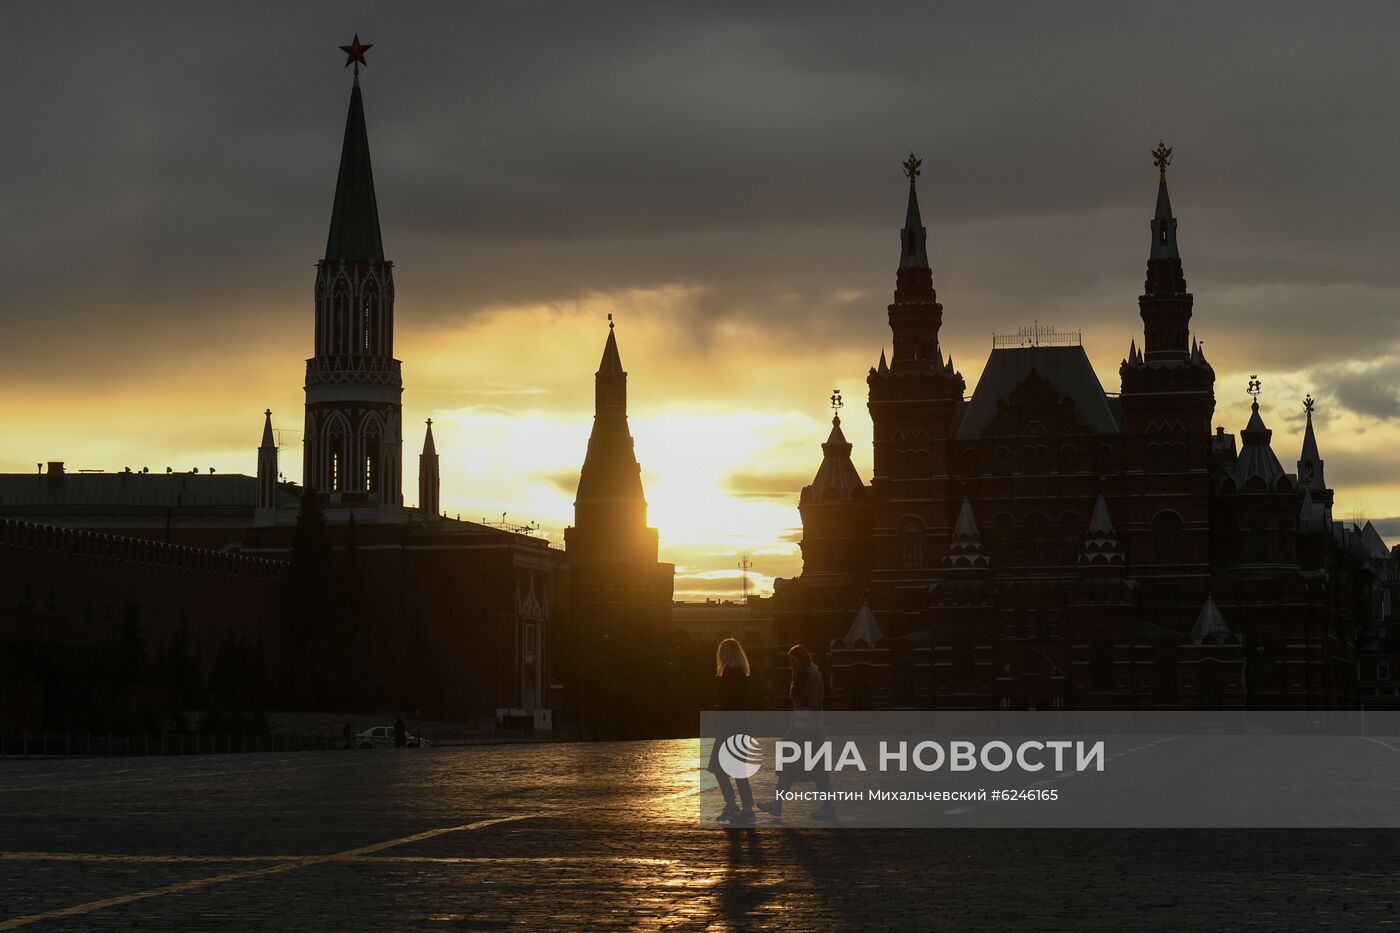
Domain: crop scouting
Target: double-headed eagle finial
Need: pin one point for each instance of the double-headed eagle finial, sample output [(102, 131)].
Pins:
[(1162, 157), (911, 168)]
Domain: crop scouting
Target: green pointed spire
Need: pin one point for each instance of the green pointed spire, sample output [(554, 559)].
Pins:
[(354, 234)]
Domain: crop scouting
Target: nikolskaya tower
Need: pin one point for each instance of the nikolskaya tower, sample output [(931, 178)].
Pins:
[(352, 447)]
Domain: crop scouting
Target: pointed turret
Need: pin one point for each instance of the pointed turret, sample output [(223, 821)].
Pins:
[(354, 234), (429, 478), (835, 509), (611, 363), (916, 315), (614, 576), (1210, 626), (1165, 304), (1163, 223), (610, 484), (1312, 517), (913, 236), (864, 631), (965, 550), (1310, 461), (267, 472), (1101, 548), (1256, 464), (837, 477), (610, 382)]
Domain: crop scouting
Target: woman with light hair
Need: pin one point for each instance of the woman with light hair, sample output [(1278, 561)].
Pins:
[(732, 684), (807, 695)]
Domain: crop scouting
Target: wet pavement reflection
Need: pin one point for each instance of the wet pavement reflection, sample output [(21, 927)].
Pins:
[(566, 836)]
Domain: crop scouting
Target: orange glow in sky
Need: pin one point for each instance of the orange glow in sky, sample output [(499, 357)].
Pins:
[(727, 434)]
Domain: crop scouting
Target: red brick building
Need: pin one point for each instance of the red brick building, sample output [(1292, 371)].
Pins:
[(1043, 543), (450, 618)]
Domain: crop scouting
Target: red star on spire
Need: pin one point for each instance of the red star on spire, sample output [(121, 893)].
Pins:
[(355, 53)]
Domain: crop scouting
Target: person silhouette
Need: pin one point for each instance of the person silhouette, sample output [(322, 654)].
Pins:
[(731, 684), (807, 695)]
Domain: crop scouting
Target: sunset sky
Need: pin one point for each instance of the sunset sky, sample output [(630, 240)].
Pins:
[(725, 180)]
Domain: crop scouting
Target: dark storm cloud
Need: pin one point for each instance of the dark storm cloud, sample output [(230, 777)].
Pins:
[(169, 169), (1373, 391)]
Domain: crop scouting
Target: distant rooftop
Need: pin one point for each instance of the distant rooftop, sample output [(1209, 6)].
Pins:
[(57, 487)]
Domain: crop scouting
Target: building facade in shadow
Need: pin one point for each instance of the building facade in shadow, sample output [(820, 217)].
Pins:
[(385, 604), (621, 658), (1043, 543)]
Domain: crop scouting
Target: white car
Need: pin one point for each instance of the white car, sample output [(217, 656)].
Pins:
[(383, 737)]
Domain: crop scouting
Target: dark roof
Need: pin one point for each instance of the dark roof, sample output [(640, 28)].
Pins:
[(159, 490), (1164, 247), (913, 251), (611, 363), (1068, 371), (1257, 457), (355, 217), (837, 474)]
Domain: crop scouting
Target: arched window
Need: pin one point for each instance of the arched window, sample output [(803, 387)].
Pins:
[(969, 462), (340, 320), (1260, 669), (337, 456), (1258, 544), (1285, 538), (1069, 459), (1037, 539), (1000, 540), (1103, 459), (1166, 538), (1035, 460), (369, 336), (1181, 458), (911, 538), (1100, 664), (1001, 461), (1383, 670), (963, 666), (372, 460), (1071, 539)]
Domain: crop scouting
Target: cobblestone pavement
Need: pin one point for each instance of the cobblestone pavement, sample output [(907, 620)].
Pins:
[(567, 836)]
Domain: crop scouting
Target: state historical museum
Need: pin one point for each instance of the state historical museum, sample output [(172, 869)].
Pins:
[(1043, 543)]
